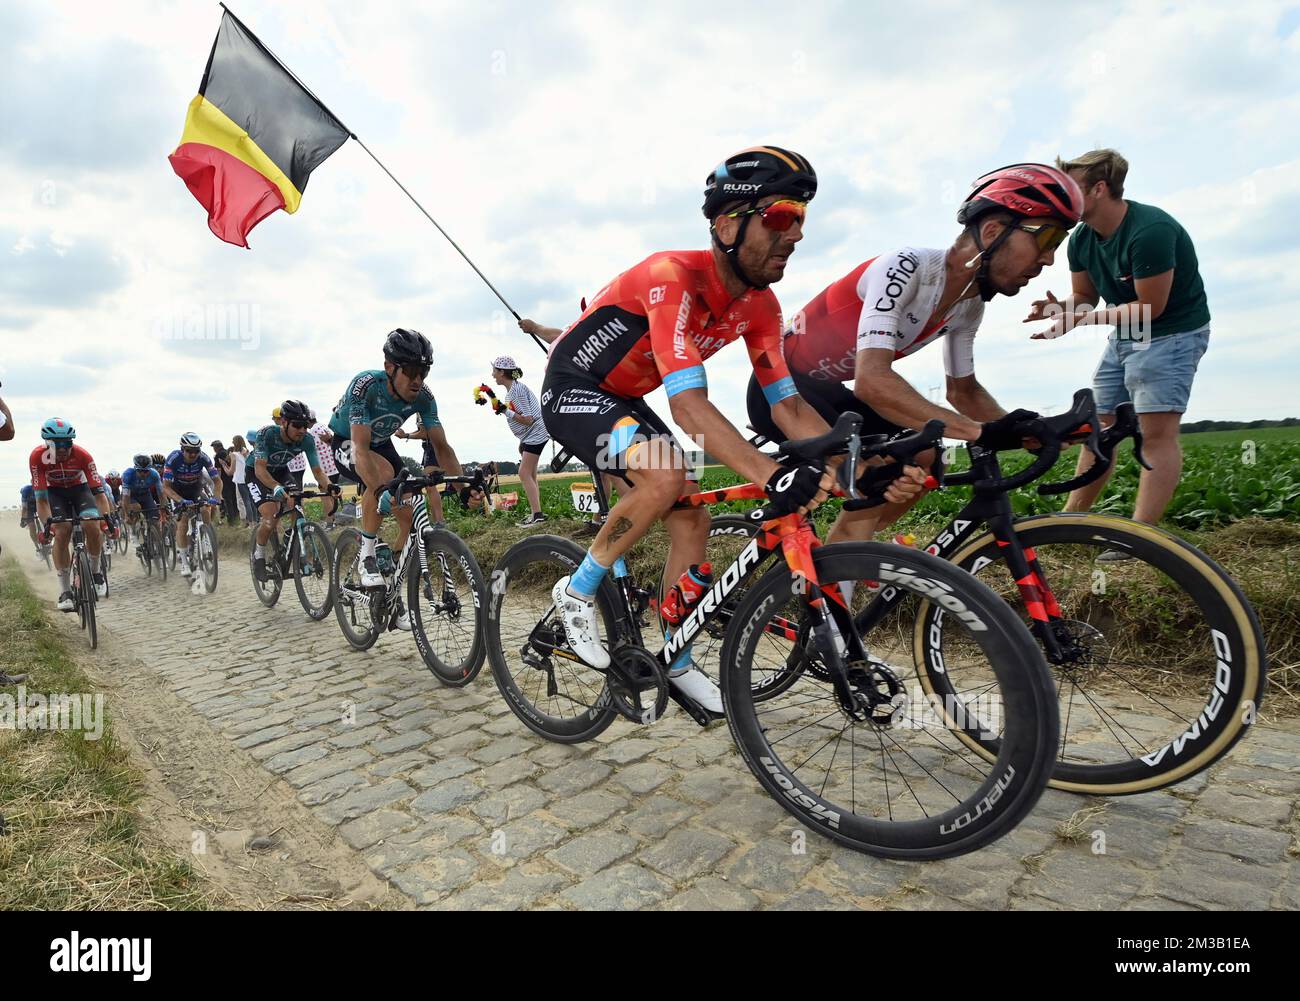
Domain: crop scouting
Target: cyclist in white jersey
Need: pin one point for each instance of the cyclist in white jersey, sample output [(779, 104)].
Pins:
[(892, 305)]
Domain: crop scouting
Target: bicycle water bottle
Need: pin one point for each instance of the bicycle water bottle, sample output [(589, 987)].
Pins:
[(686, 592)]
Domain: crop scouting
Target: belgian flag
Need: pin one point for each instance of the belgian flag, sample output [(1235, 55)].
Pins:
[(252, 137)]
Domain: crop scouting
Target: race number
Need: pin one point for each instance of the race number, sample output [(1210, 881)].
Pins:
[(584, 497)]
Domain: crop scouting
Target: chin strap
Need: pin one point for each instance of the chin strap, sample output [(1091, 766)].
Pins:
[(733, 257), (985, 255)]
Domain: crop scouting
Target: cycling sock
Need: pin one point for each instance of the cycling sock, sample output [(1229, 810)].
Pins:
[(367, 545), (65, 580), (586, 579), (683, 661), (259, 552)]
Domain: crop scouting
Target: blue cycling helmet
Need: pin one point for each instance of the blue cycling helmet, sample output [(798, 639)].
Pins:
[(56, 427), (142, 461), (251, 436)]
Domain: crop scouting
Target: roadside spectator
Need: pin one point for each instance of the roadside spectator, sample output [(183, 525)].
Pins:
[(6, 423), (1141, 260), (524, 419), (229, 492), (241, 450)]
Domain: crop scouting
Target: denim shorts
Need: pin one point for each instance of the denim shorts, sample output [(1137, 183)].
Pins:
[(1156, 375)]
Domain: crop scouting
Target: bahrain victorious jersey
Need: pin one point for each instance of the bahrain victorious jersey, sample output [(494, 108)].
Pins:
[(886, 302), (77, 469), (655, 324)]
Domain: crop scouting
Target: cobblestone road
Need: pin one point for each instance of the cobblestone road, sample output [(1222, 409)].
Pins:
[(445, 795)]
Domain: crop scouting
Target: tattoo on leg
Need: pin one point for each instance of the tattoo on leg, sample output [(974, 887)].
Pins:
[(620, 529)]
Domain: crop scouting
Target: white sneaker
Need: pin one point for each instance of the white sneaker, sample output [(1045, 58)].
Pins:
[(580, 625), (699, 687)]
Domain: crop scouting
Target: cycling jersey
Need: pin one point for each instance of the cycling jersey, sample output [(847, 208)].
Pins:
[(139, 482), (368, 401), (76, 469), (276, 452), (886, 302), (28, 496), (655, 324), (188, 473)]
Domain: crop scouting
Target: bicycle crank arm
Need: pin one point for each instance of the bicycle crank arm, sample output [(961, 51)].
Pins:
[(693, 709)]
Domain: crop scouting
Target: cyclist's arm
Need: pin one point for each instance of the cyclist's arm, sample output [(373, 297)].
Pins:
[(368, 465), (264, 477), (322, 480), (887, 393), (699, 418), (972, 400)]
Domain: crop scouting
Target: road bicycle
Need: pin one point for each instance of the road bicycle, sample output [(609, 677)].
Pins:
[(1159, 660), (83, 581), (149, 548), (843, 748), (201, 545), (442, 581), (302, 551)]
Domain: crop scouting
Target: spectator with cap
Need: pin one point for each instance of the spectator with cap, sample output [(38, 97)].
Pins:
[(229, 492), (524, 419)]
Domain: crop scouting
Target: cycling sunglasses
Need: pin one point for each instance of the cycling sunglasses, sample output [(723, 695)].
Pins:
[(778, 217), (190, 451), (415, 371), (301, 425), (1048, 235), (61, 442)]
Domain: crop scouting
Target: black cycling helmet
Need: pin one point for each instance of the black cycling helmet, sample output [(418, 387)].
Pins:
[(408, 347), (755, 173), (159, 459), (142, 461), (295, 410), (746, 178)]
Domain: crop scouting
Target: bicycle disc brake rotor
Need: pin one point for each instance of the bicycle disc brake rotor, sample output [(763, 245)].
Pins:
[(1085, 647), (876, 687), (634, 673)]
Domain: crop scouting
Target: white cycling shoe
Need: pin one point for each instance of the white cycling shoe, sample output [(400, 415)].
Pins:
[(698, 687), (66, 604), (185, 567), (370, 575), (403, 620), (580, 625), (101, 588)]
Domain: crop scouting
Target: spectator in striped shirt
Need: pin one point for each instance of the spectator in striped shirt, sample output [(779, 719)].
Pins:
[(524, 418)]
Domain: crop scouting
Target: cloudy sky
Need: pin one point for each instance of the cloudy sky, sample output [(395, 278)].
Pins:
[(561, 143)]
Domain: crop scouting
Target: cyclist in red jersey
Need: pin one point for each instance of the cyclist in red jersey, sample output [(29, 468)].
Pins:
[(655, 325), (892, 305), (67, 483)]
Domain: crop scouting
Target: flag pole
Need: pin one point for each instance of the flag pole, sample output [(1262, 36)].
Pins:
[(352, 135)]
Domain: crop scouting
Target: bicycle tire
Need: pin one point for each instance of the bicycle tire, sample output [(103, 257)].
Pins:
[(1236, 661), (1025, 696), (207, 561), (319, 565), (529, 563), (357, 623), (460, 666), (267, 591), (88, 597)]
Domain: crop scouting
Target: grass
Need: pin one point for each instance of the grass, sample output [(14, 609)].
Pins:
[(73, 838)]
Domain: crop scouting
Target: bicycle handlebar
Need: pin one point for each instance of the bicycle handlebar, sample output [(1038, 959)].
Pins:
[(404, 482)]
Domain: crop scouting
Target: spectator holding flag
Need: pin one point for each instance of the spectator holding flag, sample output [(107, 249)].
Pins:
[(524, 418)]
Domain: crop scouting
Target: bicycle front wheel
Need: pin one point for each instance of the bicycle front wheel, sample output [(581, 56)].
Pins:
[(267, 591), (313, 571), (207, 557), (87, 598), (445, 605), (891, 778), (1163, 663)]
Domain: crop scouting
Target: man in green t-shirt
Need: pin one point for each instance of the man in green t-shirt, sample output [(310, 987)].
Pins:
[(1143, 263)]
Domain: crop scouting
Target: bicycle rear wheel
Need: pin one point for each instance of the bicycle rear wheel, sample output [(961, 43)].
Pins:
[(351, 600), (267, 591), (445, 605), (893, 779), (1164, 663), (313, 572), (558, 698)]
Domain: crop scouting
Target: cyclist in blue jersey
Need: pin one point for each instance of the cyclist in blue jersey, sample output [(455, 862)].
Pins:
[(375, 405), (27, 512), (185, 474), (141, 489), (271, 480)]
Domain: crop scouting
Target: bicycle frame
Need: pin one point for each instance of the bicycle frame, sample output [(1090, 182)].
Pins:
[(993, 509)]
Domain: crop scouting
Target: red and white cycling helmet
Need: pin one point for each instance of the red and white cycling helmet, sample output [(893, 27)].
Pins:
[(1031, 190)]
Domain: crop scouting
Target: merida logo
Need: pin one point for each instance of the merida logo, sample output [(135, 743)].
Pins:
[(107, 955)]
